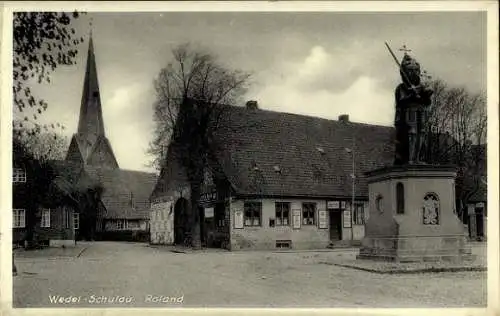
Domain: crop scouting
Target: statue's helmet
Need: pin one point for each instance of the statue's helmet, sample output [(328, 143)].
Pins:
[(410, 71)]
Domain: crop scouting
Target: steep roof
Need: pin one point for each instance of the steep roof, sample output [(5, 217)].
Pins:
[(271, 153), (71, 175), (126, 192), (90, 144), (91, 123), (281, 154)]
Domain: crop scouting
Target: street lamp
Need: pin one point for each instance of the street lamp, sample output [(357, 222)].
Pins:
[(353, 177)]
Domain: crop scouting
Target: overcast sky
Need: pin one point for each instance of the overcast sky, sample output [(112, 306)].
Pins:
[(319, 64)]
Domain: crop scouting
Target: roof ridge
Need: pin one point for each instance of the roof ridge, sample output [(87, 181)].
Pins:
[(137, 171), (308, 116)]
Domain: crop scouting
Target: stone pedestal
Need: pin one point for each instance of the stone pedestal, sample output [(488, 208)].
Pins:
[(412, 216)]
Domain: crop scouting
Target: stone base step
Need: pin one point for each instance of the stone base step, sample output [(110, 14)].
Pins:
[(344, 244), (427, 258)]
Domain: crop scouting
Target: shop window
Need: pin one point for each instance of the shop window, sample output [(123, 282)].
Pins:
[(253, 213), (282, 213), (308, 213)]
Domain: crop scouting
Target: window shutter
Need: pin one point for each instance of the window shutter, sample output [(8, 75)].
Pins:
[(366, 207)]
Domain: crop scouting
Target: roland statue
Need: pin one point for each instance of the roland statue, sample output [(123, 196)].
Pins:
[(412, 101)]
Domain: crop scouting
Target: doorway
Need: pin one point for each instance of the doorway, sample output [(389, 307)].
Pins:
[(180, 210), (479, 222), (335, 225)]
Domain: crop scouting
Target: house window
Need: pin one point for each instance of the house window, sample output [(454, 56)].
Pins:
[(67, 218), (19, 218), (45, 218), (359, 214), (133, 224), (400, 198), (76, 220), (253, 213), (121, 224), (19, 175), (282, 214), (284, 244), (308, 213)]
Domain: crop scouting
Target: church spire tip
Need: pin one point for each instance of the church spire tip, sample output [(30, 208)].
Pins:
[(90, 27)]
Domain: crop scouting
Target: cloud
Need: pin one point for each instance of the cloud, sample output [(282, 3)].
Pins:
[(327, 85), (127, 116), (322, 70), (123, 97)]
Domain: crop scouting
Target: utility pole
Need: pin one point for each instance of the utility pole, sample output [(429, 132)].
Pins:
[(353, 178), (353, 190)]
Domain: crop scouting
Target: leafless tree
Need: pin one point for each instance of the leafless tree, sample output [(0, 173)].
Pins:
[(192, 94), (457, 123)]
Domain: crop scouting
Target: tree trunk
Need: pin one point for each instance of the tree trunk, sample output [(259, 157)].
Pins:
[(30, 229), (195, 214), (92, 224), (14, 268)]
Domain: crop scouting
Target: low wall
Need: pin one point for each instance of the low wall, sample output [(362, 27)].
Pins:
[(62, 243)]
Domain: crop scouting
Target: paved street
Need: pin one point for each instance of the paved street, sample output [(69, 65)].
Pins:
[(139, 275)]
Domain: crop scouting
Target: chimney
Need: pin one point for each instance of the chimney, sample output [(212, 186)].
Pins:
[(344, 118), (252, 105)]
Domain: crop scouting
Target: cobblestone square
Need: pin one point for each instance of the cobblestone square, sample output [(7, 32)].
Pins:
[(111, 274)]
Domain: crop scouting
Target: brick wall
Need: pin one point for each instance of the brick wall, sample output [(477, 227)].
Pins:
[(162, 223)]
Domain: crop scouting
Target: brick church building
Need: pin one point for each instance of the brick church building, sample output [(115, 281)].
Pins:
[(124, 204)]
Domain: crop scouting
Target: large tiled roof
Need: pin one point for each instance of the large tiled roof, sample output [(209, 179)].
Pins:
[(281, 154), (126, 192), (71, 176)]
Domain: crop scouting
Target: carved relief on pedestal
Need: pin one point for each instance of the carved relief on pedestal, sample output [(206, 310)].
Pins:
[(431, 209)]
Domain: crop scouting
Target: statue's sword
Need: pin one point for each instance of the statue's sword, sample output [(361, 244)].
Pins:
[(402, 70)]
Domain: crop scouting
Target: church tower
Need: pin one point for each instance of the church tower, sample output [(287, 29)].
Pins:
[(89, 146)]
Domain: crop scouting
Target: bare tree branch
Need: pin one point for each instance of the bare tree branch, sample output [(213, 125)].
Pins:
[(460, 117), (192, 92)]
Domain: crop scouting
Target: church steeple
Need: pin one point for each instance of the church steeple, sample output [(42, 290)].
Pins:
[(91, 124), (89, 145)]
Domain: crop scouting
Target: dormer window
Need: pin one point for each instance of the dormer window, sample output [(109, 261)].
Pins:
[(254, 166), (18, 175)]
